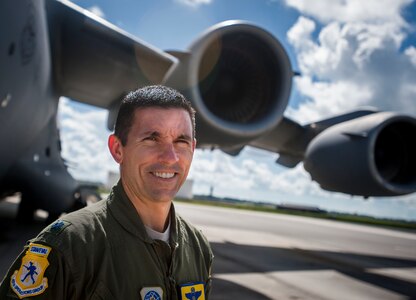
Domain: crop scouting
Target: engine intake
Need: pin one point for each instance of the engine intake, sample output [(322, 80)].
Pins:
[(394, 153), (238, 77), (369, 156)]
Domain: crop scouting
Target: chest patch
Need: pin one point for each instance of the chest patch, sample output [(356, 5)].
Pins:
[(151, 293), (28, 280), (192, 291)]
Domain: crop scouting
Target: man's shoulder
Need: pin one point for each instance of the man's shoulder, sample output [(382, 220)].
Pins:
[(76, 228)]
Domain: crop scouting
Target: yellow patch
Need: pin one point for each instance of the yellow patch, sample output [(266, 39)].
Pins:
[(28, 280), (193, 291)]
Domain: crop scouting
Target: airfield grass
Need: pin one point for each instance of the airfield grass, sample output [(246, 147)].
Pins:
[(270, 208)]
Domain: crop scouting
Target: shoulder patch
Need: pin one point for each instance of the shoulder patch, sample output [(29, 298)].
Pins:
[(58, 226), (28, 280)]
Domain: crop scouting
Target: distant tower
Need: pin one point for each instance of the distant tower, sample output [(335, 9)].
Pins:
[(211, 191)]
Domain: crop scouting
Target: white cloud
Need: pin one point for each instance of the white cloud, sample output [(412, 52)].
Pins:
[(411, 53), (355, 61), (219, 170), (249, 172), (84, 141), (327, 98), (194, 3), (351, 10), (297, 182), (96, 10)]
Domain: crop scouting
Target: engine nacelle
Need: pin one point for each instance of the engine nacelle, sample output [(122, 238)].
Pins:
[(238, 77), (374, 155)]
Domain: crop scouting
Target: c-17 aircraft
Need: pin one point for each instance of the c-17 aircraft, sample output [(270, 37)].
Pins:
[(237, 76)]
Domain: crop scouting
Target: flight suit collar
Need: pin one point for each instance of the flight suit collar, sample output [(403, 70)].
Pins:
[(125, 213)]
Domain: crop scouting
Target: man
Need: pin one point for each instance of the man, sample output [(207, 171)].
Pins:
[(132, 245)]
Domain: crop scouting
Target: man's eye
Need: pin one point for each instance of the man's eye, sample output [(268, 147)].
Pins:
[(150, 138), (185, 142)]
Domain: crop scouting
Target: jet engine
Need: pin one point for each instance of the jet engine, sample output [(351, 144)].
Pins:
[(238, 77), (370, 156)]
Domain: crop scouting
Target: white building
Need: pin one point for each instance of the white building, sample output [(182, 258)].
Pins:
[(112, 179), (186, 190)]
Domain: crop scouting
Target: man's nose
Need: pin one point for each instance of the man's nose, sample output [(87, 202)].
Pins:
[(168, 153)]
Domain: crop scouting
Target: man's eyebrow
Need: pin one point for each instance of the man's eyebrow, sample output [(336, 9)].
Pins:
[(152, 133), (184, 137), (149, 134)]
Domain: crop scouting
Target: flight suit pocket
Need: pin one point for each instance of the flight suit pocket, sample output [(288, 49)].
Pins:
[(102, 293)]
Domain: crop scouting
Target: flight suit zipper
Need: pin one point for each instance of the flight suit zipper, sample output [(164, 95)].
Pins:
[(165, 256), (171, 277)]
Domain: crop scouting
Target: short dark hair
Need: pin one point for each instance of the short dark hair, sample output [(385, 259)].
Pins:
[(149, 96)]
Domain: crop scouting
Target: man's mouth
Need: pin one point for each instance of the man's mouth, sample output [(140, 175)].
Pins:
[(164, 175)]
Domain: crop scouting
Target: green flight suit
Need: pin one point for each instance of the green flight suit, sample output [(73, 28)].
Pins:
[(104, 252)]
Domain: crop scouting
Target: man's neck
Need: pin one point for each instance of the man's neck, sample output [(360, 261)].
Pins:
[(153, 214)]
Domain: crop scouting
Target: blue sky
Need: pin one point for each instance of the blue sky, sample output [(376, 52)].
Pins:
[(351, 53)]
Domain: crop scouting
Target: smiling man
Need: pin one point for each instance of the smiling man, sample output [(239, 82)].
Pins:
[(131, 245)]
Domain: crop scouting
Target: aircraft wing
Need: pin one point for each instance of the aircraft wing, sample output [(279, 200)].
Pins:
[(94, 61), (290, 139)]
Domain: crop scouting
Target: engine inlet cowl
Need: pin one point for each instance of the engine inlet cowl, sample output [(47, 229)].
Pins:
[(368, 156), (238, 77)]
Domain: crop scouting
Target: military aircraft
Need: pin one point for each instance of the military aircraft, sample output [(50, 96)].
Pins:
[(237, 75)]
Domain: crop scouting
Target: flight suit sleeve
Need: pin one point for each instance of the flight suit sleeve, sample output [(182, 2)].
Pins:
[(39, 272), (208, 257), (208, 284)]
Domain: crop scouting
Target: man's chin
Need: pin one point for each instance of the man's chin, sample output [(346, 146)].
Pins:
[(165, 196)]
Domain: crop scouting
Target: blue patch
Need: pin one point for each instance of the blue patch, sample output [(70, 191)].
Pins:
[(152, 295), (39, 249), (57, 226)]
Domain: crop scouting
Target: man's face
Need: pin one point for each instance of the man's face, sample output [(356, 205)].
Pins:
[(155, 161)]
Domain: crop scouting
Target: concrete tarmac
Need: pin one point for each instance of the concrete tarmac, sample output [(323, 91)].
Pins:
[(269, 256)]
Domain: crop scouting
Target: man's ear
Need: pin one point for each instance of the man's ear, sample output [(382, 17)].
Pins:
[(116, 148), (193, 145)]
